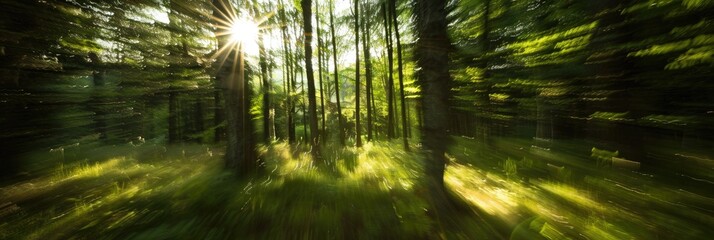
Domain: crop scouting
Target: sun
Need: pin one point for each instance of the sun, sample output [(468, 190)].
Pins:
[(244, 32), (238, 30)]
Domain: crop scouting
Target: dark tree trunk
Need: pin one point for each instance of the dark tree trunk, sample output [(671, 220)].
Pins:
[(400, 71), (432, 57), (312, 107), (358, 130), (320, 66), (368, 70), (390, 67), (484, 121), (240, 149), (340, 127)]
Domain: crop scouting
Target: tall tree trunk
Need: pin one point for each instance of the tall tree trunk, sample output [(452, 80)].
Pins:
[(320, 66), (307, 25), (432, 57), (248, 139), (340, 127), (266, 88), (240, 149), (304, 110), (289, 75), (358, 130), (390, 67), (368, 69), (484, 121), (400, 71)]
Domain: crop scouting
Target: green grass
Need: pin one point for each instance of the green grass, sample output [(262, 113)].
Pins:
[(374, 192), (353, 194)]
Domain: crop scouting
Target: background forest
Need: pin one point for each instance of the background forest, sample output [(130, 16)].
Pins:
[(360, 119)]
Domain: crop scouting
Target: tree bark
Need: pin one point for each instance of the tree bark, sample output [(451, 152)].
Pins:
[(400, 71), (266, 88), (312, 107), (368, 69), (390, 67), (358, 130), (432, 57), (340, 127), (320, 66)]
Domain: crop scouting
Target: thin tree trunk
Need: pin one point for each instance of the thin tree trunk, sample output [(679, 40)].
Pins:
[(400, 71), (358, 130), (266, 89), (289, 76), (319, 65), (390, 67), (368, 70), (340, 127)]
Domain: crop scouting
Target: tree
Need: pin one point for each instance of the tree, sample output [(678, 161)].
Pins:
[(340, 128), (400, 71), (320, 54), (312, 107), (358, 129), (390, 67), (240, 149), (432, 59), (266, 87), (368, 67)]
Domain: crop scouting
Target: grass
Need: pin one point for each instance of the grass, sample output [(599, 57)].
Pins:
[(353, 194), (183, 192)]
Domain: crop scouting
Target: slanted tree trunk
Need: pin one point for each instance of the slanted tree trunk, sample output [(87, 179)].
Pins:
[(340, 127), (400, 71)]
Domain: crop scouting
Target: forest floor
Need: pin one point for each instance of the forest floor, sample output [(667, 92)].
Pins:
[(516, 191)]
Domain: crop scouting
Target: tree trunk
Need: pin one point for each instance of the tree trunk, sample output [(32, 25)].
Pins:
[(240, 149), (289, 76), (358, 130), (484, 120), (320, 66), (266, 89), (432, 57), (312, 107), (390, 67), (400, 71), (340, 127), (368, 70)]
